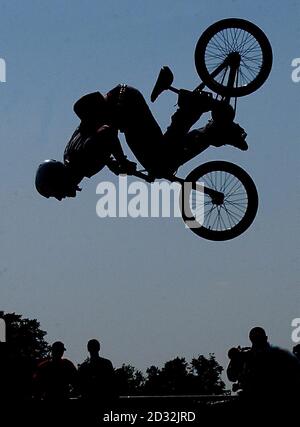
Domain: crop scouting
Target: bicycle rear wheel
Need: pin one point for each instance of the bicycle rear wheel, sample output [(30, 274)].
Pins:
[(238, 37), (222, 220)]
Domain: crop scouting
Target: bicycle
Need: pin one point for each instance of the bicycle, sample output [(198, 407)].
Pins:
[(233, 58)]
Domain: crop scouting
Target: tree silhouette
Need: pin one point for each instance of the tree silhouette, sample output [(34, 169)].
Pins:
[(24, 347), (153, 382), (205, 374), (129, 380), (24, 337), (201, 376), (174, 376)]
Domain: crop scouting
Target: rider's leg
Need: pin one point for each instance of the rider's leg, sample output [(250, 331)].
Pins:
[(158, 153), (176, 134), (222, 112), (222, 130), (191, 106), (181, 144), (194, 143), (142, 132), (219, 131)]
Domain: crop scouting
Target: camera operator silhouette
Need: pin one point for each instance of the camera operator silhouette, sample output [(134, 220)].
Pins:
[(265, 374)]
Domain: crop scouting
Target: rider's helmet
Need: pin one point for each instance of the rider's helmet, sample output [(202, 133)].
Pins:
[(53, 179), (90, 107)]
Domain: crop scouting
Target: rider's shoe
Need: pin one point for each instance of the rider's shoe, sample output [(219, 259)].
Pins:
[(222, 134)]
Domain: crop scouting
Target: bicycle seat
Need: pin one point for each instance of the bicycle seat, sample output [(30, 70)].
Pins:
[(163, 82)]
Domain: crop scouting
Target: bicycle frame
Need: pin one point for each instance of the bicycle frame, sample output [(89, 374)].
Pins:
[(215, 195), (232, 62), (233, 199)]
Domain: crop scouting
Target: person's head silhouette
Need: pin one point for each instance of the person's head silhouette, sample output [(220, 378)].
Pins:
[(93, 347), (296, 351), (258, 338), (57, 350)]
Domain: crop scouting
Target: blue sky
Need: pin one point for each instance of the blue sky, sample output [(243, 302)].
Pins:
[(147, 288)]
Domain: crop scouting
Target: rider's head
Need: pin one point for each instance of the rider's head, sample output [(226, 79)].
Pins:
[(54, 179), (91, 108), (258, 337)]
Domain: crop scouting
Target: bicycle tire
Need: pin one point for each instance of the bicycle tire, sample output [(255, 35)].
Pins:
[(202, 50), (213, 233)]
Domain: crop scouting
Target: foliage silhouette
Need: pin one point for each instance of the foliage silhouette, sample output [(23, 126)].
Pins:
[(25, 345), (201, 376), (206, 376), (25, 338), (129, 380)]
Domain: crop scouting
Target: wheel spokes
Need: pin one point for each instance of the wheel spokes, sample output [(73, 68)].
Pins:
[(225, 216), (234, 40)]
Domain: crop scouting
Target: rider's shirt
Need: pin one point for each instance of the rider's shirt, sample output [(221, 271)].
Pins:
[(88, 153), (130, 114)]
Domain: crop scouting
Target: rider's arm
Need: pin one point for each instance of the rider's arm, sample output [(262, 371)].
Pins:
[(117, 161), (127, 168), (113, 165), (116, 149), (109, 136)]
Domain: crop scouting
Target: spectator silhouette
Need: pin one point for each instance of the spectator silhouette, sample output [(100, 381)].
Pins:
[(96, 376), (56, 377), (6, 389), (15, 374), (296, 351), (272, 374)]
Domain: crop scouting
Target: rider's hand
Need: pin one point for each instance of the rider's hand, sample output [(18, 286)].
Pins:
[(127, 167)]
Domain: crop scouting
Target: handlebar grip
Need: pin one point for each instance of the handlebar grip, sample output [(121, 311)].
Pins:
[(144, 176)]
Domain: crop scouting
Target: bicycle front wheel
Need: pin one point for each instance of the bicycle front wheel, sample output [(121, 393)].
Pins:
[(237, 37), (226, 219)]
